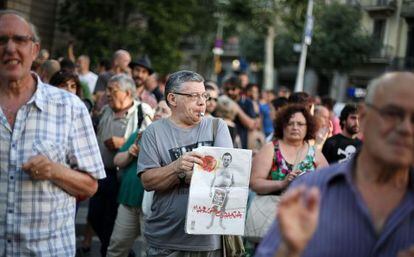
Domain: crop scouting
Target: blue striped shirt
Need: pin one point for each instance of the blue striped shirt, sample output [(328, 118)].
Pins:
[(345, 226), (37, 217)]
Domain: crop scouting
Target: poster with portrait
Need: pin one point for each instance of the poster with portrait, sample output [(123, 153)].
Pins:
[(218, 192)]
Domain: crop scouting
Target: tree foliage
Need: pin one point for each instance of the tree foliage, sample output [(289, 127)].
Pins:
[(156, 28), (339, 42), (255, 16)]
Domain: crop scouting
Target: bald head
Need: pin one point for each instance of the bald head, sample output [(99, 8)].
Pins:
[(24, 47), (121, 60), (321, 110), (23, 18), (48, 69), (387, 120), (84, 58), (379, 86), (83, 63)]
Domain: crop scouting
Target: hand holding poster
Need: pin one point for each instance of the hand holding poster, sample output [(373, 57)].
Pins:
[(218, 192)]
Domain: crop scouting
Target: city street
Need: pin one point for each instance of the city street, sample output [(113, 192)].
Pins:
[(94, 251)]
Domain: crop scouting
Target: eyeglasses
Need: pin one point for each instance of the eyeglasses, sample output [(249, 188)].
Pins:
[(392, 114), (195, 96), (215, 99), (19, 40), (299, 124)]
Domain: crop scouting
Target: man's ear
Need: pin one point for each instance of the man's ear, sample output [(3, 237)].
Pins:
[(362, 111), (35, 50), (171, 99), (129, 93)]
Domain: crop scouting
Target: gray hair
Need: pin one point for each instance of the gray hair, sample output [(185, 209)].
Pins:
[(119, 53), (32, 27), (176, 80), (378, 84), (373, 87), (125, 83)]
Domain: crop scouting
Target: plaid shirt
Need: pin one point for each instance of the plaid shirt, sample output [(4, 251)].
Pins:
[(37, 218)]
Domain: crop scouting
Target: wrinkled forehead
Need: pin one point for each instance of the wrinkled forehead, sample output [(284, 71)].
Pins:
[(398, 91), (14, 23), (192, 86), (113, 85)]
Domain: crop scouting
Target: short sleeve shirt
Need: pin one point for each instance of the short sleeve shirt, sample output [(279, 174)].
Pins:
[(37, 217), (162, 143)]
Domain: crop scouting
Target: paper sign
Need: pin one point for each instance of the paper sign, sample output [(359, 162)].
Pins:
[(218, 192)]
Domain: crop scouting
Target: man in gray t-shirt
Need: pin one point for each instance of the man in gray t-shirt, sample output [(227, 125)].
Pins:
[(165, 165)]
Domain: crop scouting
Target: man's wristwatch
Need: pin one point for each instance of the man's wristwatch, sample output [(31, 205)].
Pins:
[(181, 176)]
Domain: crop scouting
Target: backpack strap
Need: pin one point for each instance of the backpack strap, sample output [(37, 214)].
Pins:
[(215, 128), (140, 116)]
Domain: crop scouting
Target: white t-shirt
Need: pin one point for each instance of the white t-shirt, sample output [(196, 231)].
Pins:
[(90, 79)]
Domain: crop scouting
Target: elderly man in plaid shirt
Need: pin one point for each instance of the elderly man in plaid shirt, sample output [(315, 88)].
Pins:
[(48, 151)]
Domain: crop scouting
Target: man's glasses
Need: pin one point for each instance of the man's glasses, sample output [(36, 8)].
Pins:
[(19, 40), (392, 114), (195, 96)]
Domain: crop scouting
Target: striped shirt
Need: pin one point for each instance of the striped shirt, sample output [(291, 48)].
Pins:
[(37, 217), (345, 226)]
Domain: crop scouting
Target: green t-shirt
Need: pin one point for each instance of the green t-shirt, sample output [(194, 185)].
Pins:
[(131, 190)]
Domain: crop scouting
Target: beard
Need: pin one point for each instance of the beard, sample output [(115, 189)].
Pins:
[(138, 81), (352, 130)]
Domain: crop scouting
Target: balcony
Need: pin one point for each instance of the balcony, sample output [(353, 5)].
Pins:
[(380, 8), (406, 63), (407, 10), (383, 54)]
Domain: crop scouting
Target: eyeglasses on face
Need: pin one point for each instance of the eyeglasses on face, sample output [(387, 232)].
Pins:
[(195, 96), (215, 99), (392, 114), (20, 40)]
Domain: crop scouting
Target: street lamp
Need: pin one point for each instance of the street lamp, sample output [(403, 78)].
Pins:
[(307, 39)]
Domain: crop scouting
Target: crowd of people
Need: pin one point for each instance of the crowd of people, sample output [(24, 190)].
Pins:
[(68, 134)]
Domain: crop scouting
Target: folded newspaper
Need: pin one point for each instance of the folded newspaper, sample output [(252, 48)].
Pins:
[(218, 192)]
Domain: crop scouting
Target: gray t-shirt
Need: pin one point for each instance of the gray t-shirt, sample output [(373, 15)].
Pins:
[(111, 126), (162, 143)]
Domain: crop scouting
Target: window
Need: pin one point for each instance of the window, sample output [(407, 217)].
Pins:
[(379, 30)]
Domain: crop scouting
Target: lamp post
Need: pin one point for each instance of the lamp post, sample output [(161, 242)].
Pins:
[(218, 47), (307, 39)]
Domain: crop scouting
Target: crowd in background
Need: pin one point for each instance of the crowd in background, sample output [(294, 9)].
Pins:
[(302, 131), (117, 134)]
